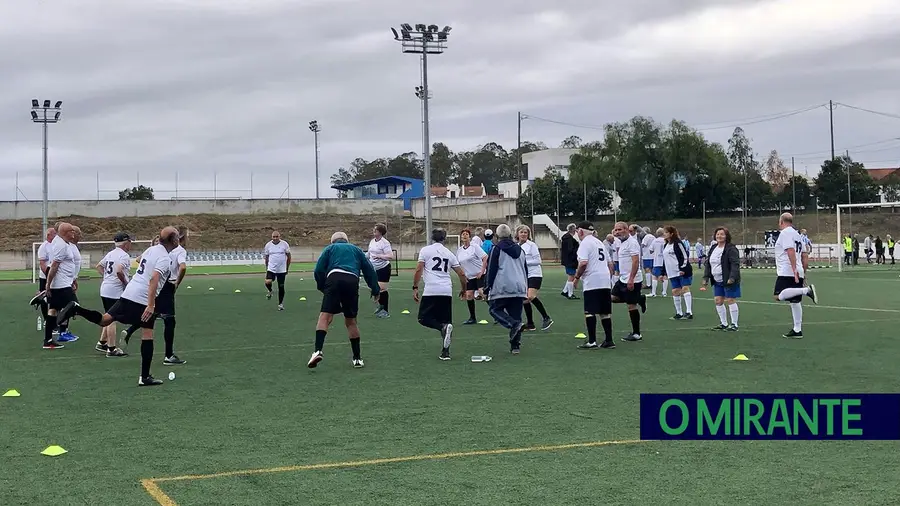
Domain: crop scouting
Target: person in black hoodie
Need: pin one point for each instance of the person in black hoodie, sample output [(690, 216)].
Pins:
[(723, 268), (568, 257)]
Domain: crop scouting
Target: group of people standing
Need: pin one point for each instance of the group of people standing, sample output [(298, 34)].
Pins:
[(871, 246)]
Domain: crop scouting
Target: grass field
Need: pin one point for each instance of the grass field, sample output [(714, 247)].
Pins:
[(245, 422)]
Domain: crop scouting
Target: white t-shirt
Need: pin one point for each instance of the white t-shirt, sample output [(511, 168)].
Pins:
[(656, 247), (670, 261), (532, 259), (277, 254), (154, 259), (438, 263), (43, 253), (380, 247), (112, 286), (76, 254), (67, 271), (596, 274), (789, 238), (471, 259), (476, 241), (178, 256), (629, 248), (645, 247), (715, 263)]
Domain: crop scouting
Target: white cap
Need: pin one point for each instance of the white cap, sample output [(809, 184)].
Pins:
[(488, 232)]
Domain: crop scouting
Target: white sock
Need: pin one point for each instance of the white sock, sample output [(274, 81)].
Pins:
[(797, 313), (688, 303), (733, 309), (677, 300), (790, 293), (570, 288), (647, 278), (665, 287), (722, 315), (653, 284)]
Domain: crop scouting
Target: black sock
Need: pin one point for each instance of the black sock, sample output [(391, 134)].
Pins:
[(269, 287), (383, 300), (529, 314), (280, 293), (146, 356), (471, 304), (49, 327), (63, 328), (431, 323), (635, 315), (591, 322), (89, 315), (540, 307), (169, 335), (131, 330), (607, 328), (354, 345), (320, 339)]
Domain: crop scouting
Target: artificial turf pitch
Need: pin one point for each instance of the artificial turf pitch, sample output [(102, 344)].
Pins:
[(409, 429)]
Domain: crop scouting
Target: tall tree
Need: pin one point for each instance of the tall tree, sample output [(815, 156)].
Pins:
[(890, 187), (341, 177), (775, 172), (140, 192), (832, 181), (571, 142), (442, 166)]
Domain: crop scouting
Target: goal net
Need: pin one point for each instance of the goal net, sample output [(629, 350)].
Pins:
[(91, 253), (865, 234)]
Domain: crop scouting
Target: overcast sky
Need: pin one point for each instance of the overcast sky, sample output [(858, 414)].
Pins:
[(227, 87)]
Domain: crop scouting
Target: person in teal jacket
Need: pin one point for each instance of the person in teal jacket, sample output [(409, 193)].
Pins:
[(337, 276)]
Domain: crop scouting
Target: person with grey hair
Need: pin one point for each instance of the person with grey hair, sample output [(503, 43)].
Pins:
[(568, 257), (647, 257), (115, 268), (337, 276), (507, 285), (657, 246), (436, 303)]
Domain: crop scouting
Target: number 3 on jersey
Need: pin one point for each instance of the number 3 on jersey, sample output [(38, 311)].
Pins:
[(141, 267), (440, 264), (109, 267)]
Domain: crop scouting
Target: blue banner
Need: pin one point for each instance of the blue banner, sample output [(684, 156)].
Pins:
[(770, 416)]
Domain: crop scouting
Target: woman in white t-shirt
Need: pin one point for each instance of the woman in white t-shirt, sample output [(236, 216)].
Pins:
[(380, 254), (473, 261), (535, 279), (678, 270), (722, 267)]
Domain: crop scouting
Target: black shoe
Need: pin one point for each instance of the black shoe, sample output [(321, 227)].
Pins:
[(573, 297), (720, 327), (445, 354), (38, 299), (688, 316), (149, 381), (546, 323), (65, 313), (732, 328), (812, 294), (52, 345), (470, 321), (632, 337), (173, 360), (793, 335), (529, 327), (515, 335), (101, 347), (608, 345), (676, 316), (643, 303), (116, 352)]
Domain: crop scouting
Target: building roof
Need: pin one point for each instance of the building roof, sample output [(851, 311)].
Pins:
[(877, 174), (377, 180)]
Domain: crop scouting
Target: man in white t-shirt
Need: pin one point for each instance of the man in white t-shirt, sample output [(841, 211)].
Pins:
[(165, 303), (60, 281), (137, 305), (436, 302), (790, 262), (114, 268), (277, 256), (595, 266), (380, 253), (647, 258), (43, 256), (627, 289)]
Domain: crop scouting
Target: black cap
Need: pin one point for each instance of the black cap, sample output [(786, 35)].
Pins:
[(122, 237), (586, 225)]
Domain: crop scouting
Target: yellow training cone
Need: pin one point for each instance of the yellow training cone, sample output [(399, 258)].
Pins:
[(237, 291), (302, 298), (12, 393), (741, 357), (189, 287), (405, 311), (54, 451), (211, 289), (580, 335), (483, 322)]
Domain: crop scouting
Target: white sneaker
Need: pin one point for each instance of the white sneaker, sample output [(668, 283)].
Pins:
[(281, 307), (358, 363), (448, 333), (315, 359)]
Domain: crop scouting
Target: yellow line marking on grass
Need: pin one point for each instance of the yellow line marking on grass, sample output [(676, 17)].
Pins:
[(157, 494)]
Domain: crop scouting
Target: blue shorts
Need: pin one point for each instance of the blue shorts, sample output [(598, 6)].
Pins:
[(570, 271), (648, 264), (616, 266), (681, 281), (658, 271), (727, 291)]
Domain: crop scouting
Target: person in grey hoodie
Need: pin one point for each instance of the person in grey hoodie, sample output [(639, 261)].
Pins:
[(507, 285)]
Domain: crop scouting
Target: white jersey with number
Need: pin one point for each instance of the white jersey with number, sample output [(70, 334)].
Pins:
[(532, 259), (154, 259), (43, 253), (439, 261), (379, 247), (111, 287), (178, 257), (788, 239), (657, 247), (471, 260), (67, 271), (596, 273), (277, 254), (627, 250), (645, 247)]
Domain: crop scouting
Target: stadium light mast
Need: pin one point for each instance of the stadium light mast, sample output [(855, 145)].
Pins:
[(315, 129), (424, 40), (45, 114)]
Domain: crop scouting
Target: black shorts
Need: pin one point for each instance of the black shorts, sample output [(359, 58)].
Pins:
[(535, 283), (620, 291), (436, 307), (782, 282), (60, 297), (165, 301), (108, 303), (384, 274), (472, 285), (277, 276), (598, 301), (130, 313), (42, 284), (341, 295)]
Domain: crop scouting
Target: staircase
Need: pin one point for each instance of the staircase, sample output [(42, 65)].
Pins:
[(546, 233)]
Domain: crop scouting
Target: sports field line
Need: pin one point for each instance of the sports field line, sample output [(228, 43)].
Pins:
[(151, 485)]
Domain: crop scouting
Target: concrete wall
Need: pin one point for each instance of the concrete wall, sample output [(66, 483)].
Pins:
[(494, 210), (116, 208)]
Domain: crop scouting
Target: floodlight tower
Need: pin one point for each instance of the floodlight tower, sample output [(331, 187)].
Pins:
[(315, 129), (44, 114), (424, 40)]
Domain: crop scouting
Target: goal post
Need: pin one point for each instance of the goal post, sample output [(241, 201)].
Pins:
[(844, 224), (89, 254)]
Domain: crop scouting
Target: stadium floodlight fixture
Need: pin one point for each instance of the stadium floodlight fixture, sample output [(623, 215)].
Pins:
[(47, 104), (58, 104), (34, 116), (34, 103), (44, 114), (315, 129), (396, 35), (420, 27), (407, 27)]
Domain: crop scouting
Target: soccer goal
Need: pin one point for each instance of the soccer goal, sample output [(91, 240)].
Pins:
[(91, 253), (872, 224)]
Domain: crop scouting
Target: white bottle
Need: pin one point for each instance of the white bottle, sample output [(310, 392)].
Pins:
[(40, 323)]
